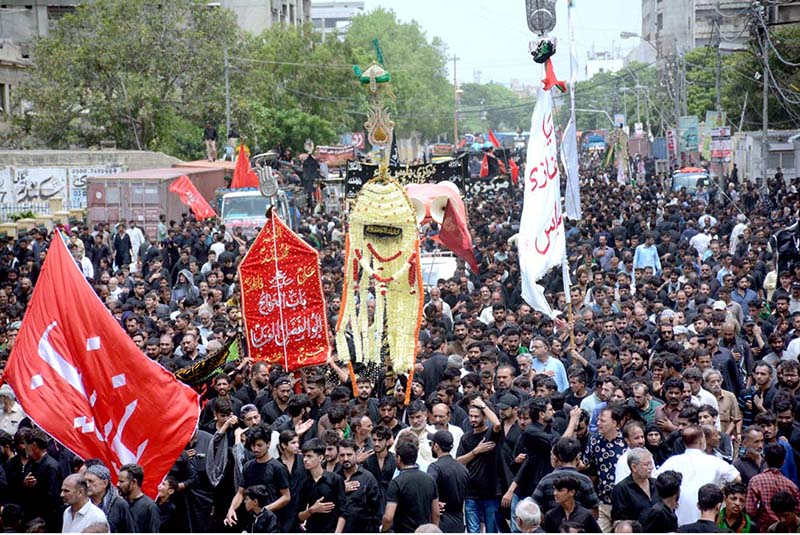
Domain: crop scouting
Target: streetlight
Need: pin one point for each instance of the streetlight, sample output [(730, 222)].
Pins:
[(633, 35)]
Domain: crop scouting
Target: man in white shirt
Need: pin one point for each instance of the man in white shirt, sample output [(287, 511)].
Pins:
[(11, 413), (697, 469), (81, 512), (137, 240)]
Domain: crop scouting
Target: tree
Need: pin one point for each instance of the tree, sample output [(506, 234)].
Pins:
[(494, 106), (132, 71), (425, 99)]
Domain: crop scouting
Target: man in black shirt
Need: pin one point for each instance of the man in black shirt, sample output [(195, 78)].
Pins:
[(41, 483), (452, 479), (567, 510), (262, 470), (536, 442), (362, 495), (709, 501), (322, 497), (662, 518), (412, 499), (478, 450), (381, 464), (636, 494), (145, 513)]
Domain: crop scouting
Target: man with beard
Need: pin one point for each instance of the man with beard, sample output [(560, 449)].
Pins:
[(767, 422), (365, 403), (509, 464), (638, 370), (504, 378), (473, 363), (256, 387), (281, 391), (382, 464), (739, 348), (788, 377), (478, 452), (452, 480), (535, 442), (440, 414), (222, 385), (362, 494), (417, 415), (645, 403), (460, 345), (730, 417), (666, 416), (144, 510), (755, 399), (387, 409)]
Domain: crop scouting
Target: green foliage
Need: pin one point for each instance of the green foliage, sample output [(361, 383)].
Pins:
[(125, 71), (289, 127), (425, 98), (504, 110), (27, 214)]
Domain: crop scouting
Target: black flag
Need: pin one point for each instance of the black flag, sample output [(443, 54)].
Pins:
[(394, 157)]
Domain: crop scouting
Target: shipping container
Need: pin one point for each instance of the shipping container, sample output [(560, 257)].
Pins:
[(144, 195)]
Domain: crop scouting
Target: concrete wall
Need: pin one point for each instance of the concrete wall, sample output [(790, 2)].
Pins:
[(132, 159)]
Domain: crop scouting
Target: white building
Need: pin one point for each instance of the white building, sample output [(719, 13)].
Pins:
[(334, 16), (597, 62)]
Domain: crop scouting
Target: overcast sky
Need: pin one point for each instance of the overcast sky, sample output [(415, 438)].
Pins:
[(492, 36)]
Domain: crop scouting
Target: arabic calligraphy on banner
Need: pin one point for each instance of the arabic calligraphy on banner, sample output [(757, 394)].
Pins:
[(282, 301), (359, 173)]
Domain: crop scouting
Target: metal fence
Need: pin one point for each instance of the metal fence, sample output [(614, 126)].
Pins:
[(8, 211)]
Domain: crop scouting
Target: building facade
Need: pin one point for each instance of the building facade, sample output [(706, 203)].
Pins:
[(334, 16), (678, 26)]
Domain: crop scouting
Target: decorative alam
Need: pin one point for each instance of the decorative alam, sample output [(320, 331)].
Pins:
[(382, 297)]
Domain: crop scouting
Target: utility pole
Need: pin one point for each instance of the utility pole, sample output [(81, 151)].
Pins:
[(457, 100), (227, 89), (227, 95), (718, 42), (765, 106)]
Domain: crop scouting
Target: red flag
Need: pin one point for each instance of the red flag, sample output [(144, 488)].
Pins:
[(80, 377), (243, 174), (283, 304), (485, 166), (514, 171), (192, 198), (454, 235), (493, 139)]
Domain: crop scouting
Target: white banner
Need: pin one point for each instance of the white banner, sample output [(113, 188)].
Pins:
[(569, 156), (542, 240), (38, 184)]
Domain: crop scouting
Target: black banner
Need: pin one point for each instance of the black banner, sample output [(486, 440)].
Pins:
[(359, 173)]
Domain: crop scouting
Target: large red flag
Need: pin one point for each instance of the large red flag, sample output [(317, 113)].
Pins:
[(192, 198), (454, 235), (81, 379), (282, 300), (243, 174)]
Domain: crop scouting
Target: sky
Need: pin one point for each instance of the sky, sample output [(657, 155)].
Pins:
[(492, 36)]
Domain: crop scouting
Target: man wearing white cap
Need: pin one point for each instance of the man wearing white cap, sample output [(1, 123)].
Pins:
[(12, 413)]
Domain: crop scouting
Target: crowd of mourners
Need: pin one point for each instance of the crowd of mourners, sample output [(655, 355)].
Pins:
[(663, 398)]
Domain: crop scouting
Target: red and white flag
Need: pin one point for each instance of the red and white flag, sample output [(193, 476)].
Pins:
[(542, 240), (81, 379), (189, 195)]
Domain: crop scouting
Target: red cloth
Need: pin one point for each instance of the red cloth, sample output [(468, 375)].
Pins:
[(192, 198), (550, 81), (514, 171), (80, 377), (243, 174), (493, 139), (454, 235), (282, 301)]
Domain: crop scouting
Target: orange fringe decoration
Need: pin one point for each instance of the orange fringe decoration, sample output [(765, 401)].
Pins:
[(352, 378), (417, 268)]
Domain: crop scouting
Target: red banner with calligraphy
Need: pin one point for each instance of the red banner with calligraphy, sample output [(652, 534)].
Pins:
[(283, 305)]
